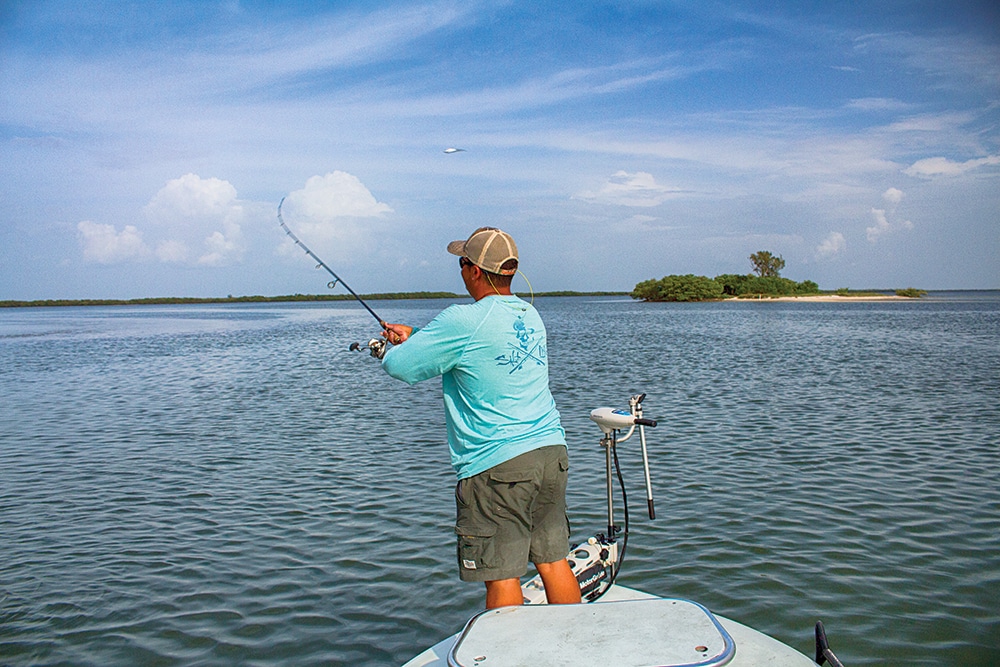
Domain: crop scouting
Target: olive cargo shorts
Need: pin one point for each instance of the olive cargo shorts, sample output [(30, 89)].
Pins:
[(513, 513)]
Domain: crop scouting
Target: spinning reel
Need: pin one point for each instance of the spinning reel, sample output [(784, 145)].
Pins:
[(376, 346)]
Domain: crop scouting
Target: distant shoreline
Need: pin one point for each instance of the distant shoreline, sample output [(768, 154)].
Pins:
[(830, 298), (868, 295), (289, 298)]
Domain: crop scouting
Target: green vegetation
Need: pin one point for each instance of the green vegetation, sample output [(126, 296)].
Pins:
[(766, 265), (767, 282), (229, 299), (846, 291), (678, 288), (747, 286), (169, 300), (701, 288)]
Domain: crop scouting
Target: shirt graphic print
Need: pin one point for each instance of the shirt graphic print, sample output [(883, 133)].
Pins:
[(528, 348)]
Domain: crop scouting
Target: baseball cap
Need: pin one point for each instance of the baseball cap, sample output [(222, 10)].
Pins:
[(488, 248)]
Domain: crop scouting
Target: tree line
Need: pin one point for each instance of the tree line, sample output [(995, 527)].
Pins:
[(181, 300)]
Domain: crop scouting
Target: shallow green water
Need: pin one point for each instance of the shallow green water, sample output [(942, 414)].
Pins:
[(229, 485)]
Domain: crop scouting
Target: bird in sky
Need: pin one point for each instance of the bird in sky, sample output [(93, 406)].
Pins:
[(454, 150)]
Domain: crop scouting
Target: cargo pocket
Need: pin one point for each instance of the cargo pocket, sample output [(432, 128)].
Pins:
[(476, 547), (514, 492)]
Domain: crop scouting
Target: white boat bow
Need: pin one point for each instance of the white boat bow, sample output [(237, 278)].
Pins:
[(616, 624), (575, 634)]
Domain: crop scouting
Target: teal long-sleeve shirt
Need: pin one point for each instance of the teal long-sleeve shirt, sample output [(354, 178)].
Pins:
[(492, 359)]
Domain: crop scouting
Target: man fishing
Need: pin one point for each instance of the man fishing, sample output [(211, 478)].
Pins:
[(507, 444)]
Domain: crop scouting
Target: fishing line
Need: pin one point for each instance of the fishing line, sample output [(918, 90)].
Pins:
[(322, 264), (530, 289)]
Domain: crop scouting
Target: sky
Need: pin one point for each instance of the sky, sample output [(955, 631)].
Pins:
[(146, 146)]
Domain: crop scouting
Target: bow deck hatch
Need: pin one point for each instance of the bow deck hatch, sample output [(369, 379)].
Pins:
[(630, 633)]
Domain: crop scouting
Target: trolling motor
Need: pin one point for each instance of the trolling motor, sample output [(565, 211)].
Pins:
[(597, 561), (611, 422)]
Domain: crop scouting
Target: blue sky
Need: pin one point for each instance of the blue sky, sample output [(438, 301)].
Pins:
[(145, 146)]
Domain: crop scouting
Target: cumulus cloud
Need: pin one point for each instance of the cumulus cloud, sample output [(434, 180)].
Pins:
[(832, 245), (883, 225), (624, 189), (880, 227), (336, 195), (191, 197), (893, 196), (171, 251), (105, 245), (202, 220), (334, 211), (942, 166), (198, 222)]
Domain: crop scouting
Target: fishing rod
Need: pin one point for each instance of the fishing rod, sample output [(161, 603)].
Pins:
[(322, 264)]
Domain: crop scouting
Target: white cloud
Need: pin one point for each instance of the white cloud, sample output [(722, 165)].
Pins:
[(336, 212), (893, 196), (832, 245), (104, 245), (219, 249), (932, 123), (885, 218), (877, 104), (171, 251), (624, 189), (882, 225), (336, 195), (202, 219), (942, 166), (199, 218), (952, 61), (189, 198)]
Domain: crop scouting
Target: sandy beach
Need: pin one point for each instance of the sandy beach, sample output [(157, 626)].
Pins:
[(829, 298)]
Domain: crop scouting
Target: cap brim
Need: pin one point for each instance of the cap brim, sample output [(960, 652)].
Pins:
[(457, 248)]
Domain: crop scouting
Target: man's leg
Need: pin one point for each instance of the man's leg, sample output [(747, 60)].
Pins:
[(550, 532), (506, 593), (561, 586)]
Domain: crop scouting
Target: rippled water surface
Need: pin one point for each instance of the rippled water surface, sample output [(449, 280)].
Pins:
[(229, 485)]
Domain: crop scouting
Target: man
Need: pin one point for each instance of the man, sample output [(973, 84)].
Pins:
[(507, 444)]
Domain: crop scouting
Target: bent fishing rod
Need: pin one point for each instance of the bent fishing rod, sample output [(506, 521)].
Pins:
[(322, 264)]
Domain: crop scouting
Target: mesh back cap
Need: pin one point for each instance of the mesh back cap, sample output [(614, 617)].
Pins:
[(488, 248)]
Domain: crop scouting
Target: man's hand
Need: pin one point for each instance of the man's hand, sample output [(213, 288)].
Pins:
[(396, 333)]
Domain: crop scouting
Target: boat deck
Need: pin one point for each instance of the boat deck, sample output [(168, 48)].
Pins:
[(656, 631)]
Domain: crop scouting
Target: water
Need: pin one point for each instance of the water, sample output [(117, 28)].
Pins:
[(228, 484)]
